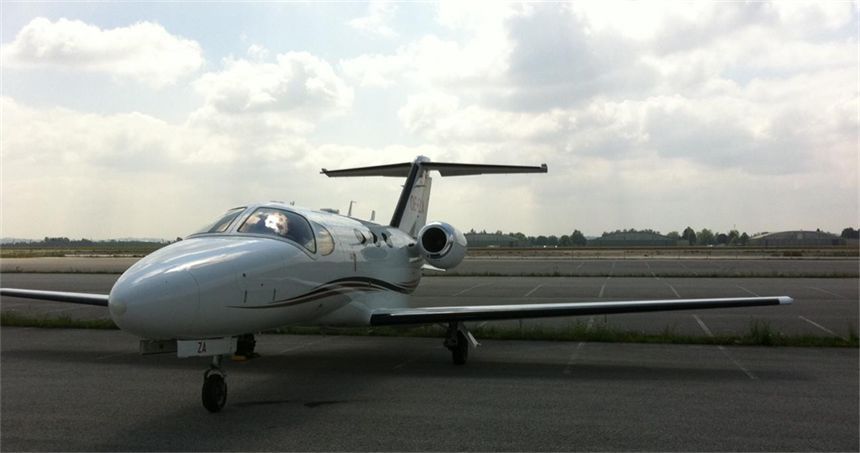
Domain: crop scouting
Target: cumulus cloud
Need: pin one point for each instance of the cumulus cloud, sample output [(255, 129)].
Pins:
[(477, 60), (378, 19), (557, 61), (295, 91), (127, 142), (144, 51), (669, 113), (750, 93), (438, 117)]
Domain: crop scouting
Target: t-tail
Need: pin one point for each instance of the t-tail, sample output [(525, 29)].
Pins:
[(410, 214)]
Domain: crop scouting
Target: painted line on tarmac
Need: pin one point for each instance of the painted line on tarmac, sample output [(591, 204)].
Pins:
[(723, 350), (678, 296), (580, 264), (751, 292), (648, 265), (533, 290), (603, 288), (703, 326), (822, 327), (695, 273), (827, 292), (469, 289), (575, 354)]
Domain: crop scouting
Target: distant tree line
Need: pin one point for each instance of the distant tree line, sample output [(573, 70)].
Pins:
[(568, 240), (851, 233), (689, 236), (64, 242)]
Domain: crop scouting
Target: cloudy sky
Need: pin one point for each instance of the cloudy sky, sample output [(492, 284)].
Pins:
[(134, 119)]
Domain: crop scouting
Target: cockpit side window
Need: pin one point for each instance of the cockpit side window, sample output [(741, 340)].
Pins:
[(223, 223), (284, 224), (325, 241)]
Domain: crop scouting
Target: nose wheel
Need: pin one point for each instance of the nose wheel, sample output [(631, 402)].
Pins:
[(214, 387)]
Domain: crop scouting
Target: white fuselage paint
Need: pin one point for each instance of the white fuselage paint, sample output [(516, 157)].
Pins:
[(230, 283)]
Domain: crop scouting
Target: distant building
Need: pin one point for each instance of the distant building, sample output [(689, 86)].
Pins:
[(632, 239), (795, 239), (493, 240)]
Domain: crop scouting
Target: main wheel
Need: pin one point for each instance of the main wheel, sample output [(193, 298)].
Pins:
[(460, 351), (214, 392), (245, 345)]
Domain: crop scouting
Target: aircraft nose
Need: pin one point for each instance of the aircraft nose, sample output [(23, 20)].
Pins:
[(155, 303)]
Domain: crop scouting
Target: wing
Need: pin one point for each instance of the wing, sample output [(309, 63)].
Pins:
[(432, 315), (57, 296)]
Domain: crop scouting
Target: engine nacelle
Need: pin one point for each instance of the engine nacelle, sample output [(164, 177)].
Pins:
[(441, 245)]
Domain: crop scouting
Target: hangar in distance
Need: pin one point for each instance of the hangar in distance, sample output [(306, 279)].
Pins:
[(267, 265)]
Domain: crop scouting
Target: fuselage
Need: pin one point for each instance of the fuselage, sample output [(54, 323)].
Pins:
[(264, 266)]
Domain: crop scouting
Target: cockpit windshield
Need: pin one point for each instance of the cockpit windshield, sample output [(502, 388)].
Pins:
[(223, 222), (285, 224)]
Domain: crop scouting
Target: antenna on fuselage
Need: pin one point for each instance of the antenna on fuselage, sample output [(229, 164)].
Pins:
[(373, 215), (349, 213)]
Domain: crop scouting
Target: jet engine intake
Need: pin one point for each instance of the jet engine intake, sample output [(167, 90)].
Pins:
[(441, 245)]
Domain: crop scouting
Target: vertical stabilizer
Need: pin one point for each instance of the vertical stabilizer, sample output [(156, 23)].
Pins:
[(414, 214)]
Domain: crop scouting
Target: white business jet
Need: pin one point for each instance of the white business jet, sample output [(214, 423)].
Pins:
[(268, 265)]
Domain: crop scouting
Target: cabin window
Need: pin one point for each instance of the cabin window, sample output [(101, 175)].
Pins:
[(280, 223), (360, 236), (223, 223)]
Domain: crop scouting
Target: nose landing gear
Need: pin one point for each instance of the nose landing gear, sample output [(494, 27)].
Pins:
[(214, 393), (214, 386)]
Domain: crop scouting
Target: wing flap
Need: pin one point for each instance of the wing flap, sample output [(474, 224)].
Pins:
[(57, 296), (432, 315)]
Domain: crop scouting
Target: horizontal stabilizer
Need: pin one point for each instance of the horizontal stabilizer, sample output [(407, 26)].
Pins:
[(401, 170), (433, 315), (453, 169), (57, 296), (444, 169)]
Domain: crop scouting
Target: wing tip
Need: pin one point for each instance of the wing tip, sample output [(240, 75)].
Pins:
[(785, 300)]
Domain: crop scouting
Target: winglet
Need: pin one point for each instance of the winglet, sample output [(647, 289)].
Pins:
[(785, 300)]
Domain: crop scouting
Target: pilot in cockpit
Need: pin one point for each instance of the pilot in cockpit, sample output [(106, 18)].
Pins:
[(274, 222), (277, 222), (267, 223)]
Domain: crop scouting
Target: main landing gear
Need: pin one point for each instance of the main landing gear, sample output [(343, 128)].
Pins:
[(245, 345), (458, 340), (214, 386)]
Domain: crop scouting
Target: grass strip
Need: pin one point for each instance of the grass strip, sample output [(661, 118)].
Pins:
[(648, 275), (15, 319), (835, 275)]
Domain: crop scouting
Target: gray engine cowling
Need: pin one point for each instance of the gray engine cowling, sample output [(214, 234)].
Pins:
[(441, 245)]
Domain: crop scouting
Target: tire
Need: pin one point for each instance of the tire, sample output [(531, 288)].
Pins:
[(245, 345), (214, 392), (460, 352)]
